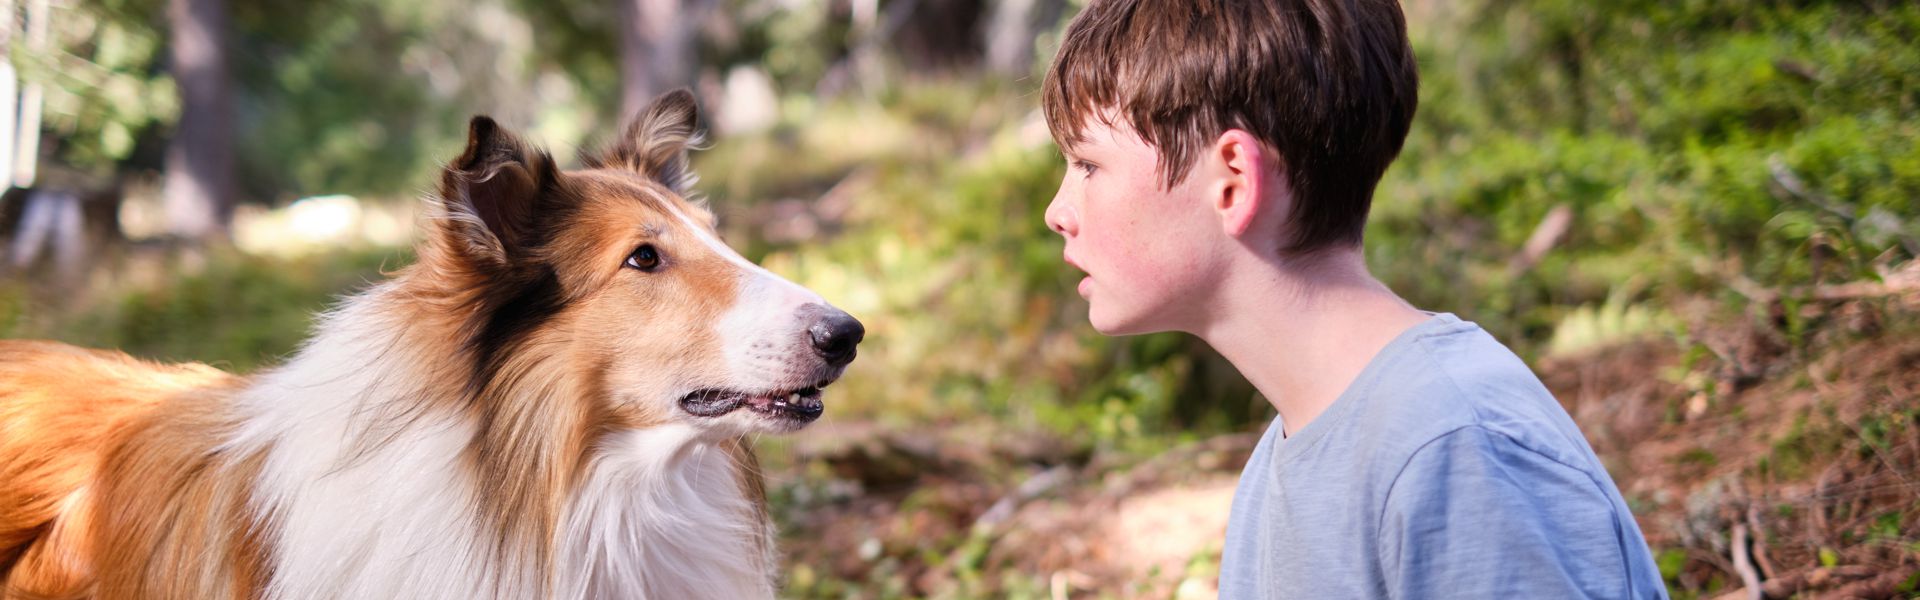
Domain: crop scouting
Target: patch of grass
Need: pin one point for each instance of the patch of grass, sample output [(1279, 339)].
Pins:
[(239, 312), (1886, 527), (1804, 445), (1671, 561), (1697, 459), (1878, 432)]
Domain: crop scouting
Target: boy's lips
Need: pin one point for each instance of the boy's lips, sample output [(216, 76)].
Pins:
[(1085, 282)]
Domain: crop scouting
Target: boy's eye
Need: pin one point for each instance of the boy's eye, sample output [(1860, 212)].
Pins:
[(1085, 167)]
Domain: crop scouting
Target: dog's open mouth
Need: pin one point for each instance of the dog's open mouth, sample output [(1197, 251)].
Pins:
[(801, 405)]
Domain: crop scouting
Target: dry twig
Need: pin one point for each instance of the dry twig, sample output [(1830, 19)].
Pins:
[(1545, 236), (1743, 564)]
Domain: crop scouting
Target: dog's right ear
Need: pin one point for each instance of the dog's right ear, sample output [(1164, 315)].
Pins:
[(493, 193)]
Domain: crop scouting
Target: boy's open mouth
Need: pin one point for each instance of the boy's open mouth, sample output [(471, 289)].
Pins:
[(801, 405)]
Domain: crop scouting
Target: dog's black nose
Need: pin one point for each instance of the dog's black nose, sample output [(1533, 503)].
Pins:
[(836, 335)]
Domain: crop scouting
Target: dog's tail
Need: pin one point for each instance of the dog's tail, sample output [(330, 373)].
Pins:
[(61, 410)]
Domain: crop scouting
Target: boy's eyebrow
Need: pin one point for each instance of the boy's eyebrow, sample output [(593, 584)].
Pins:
[(1074, 148)]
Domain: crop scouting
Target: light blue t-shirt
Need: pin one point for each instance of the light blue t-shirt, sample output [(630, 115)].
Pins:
[(1445, 471)]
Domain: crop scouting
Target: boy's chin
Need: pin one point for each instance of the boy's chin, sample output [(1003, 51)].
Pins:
[(1108, 321)]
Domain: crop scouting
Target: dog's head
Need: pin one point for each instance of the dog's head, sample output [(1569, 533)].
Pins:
[(611, 276)]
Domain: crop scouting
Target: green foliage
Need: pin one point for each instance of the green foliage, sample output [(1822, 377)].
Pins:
[(1775, 136), (238, 313), (351, 96), (101, 89), (1671, 560), (316, 72), (1615, 321)]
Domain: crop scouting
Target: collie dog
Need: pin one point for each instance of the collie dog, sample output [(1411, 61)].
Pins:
[(551, 402)]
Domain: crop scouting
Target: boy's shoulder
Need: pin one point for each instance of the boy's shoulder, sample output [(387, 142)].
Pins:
[(1448, 377), (1445, 455)]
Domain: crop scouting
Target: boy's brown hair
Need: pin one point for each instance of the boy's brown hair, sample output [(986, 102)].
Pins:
[(1330, 85)]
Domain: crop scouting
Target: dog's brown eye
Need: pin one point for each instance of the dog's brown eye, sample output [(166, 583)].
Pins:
[(644, 258)]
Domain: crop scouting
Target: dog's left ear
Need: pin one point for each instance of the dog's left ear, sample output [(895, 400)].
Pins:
[(656, 142)]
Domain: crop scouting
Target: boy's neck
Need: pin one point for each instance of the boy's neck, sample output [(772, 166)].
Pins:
[(1302, 330)]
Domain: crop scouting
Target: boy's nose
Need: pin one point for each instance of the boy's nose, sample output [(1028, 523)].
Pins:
[(1060, 218)]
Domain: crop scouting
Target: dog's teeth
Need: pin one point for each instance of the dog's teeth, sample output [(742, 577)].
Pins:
[(795, 398)]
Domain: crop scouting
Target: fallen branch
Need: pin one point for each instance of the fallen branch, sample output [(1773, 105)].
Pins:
[(1743, 564), (1545, 236), (1900, 282), (1887, 585), (1894, 283), (1039, 483), (1791, 182), (987, 525), (1808, 580), (1759, 531)]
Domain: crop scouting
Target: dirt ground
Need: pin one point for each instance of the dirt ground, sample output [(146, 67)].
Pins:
[(1752, 460)]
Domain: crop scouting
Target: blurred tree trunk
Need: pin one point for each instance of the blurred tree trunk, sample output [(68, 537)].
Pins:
[(9, 93), (25, 157), (657, 48), (1011, 31), (199, 185)]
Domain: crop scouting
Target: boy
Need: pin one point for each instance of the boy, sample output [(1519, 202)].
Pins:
[(1223, 156)]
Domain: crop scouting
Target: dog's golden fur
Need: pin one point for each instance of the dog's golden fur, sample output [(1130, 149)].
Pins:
[(87, 451)]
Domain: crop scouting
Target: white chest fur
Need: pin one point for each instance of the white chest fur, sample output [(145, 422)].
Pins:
[(663, 515), (658, 513)]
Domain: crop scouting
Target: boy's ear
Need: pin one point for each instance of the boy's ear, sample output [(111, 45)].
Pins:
[(656, 142), (1241, 174), (493, 193)]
